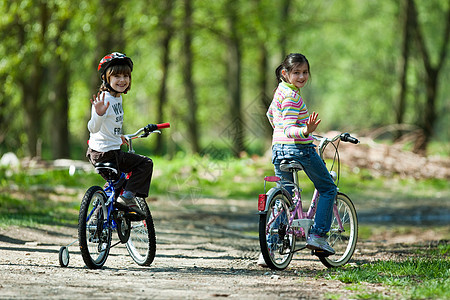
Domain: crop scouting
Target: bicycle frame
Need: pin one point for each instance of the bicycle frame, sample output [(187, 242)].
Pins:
[(284, 226), (110, 190), (109, 221), (304, 220), (100, 215)]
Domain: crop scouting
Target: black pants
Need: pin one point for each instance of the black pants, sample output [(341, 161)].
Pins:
[(141, 168)]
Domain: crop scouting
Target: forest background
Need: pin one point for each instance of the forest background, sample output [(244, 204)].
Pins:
[(207, 67)]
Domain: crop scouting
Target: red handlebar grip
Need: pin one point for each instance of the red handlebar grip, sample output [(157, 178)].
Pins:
[(163, 125)]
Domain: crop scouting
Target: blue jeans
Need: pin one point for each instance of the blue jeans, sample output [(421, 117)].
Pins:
[(317, 172)]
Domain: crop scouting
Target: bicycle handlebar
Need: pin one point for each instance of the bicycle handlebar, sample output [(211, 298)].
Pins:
[(147, 130), (346, 137), (144, 132), (163, 125)]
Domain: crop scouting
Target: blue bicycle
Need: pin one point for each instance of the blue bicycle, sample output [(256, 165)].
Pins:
[(99, 217)]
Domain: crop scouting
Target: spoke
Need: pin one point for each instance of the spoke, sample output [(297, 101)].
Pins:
[(137, 226)]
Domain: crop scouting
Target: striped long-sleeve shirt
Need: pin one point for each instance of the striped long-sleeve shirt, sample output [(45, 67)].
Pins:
[(288, 114)]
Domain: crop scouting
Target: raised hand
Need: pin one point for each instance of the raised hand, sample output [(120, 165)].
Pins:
[(99, 104), (311, 124)]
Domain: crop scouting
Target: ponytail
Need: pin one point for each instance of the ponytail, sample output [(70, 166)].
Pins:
[(279, 74)]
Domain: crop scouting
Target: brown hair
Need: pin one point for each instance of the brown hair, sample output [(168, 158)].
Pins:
[(113, 70), (289, 63)]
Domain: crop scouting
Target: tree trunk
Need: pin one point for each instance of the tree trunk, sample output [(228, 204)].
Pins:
[(407, 29), (167, 31), (283, 36), (31, 86), (59, 100), (235, 129), (4, 120), (431, 81), (30, 101), (59, 105), (188, 81), (265, 98)]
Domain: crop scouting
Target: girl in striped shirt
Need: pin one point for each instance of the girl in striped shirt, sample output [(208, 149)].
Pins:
[(292, 128)]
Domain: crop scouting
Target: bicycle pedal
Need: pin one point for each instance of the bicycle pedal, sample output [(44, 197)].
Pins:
[(320, 253), (121, 207), (134, 216)]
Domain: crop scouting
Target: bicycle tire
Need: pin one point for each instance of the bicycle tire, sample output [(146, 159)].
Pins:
[(276, 240), (141, 244), (344, 243), (94, 237), (123, 229)]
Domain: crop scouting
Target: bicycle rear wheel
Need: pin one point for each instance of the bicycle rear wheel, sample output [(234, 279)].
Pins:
[(94, 234), (343, 242), (275, 237), (141, 244)]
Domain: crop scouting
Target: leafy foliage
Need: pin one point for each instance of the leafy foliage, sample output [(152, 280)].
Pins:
[(353, 48)]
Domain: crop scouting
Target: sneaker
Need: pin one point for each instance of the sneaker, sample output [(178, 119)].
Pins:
[(129, 203), (261, 262), (317, 242)]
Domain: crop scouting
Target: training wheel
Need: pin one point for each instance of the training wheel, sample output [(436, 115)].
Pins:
[(64, 256)]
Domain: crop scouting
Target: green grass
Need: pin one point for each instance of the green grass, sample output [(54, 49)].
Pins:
[(423, 277), (47, 178), (24, 194), (39, 210), (231, 178)]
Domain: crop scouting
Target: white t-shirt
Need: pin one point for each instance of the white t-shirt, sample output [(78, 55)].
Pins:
[(105, 131)]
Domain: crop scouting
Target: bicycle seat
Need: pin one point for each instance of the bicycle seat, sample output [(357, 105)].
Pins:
[(290, 165), (108, 170)]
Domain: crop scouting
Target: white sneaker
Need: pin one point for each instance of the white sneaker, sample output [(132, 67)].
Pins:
[(261, 262), (130, 203), (317, 242)]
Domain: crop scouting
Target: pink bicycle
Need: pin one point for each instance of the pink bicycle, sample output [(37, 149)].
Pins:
[(284, 226)]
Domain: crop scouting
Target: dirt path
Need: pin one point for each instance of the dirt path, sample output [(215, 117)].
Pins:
[(208, 251)]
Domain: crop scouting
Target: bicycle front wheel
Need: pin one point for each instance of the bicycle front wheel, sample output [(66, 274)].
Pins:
[(343, 240), (94, 233), (142, 242), (275, 236)]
